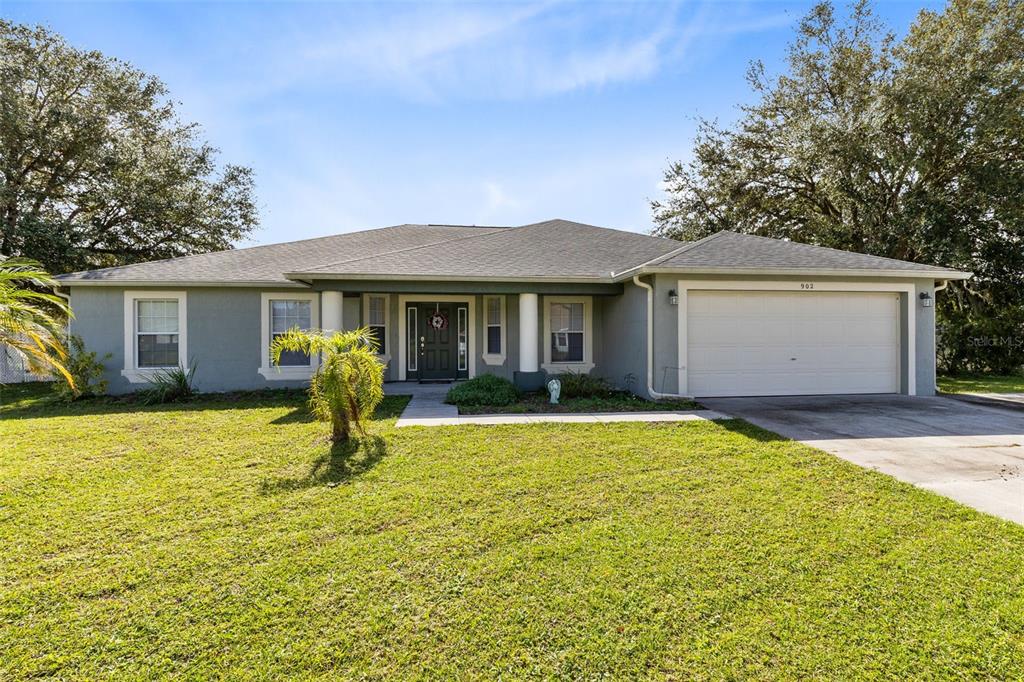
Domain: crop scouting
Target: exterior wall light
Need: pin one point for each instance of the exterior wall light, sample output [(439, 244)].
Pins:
[(926, 299), (673, 297)]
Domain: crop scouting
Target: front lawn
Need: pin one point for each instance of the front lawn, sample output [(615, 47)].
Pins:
[(982, 383), (533, 403), (225, 538)]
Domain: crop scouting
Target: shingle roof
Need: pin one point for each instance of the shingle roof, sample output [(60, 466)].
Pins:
[(734, 251), (554, 249), (557, 249), (267, 264)]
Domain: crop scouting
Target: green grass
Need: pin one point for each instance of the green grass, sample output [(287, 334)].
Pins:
[(981, 383), (226, 538), (532, 403)]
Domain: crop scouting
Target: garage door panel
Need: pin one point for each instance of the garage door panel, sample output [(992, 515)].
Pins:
[(779, 306), (792, 343), (869, 332), (830, 335)]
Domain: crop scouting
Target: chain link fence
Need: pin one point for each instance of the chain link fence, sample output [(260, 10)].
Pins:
[(14, 369)]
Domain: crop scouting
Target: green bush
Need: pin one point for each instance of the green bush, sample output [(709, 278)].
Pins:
[(85, 369), (486, 389), (576, 385), (169, 386)]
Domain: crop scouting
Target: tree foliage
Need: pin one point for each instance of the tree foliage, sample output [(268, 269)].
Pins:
[(32, 319), (96, 169), (348, 385), (907, 148)]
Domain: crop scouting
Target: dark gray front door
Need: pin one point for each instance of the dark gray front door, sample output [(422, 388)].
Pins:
[(437, 341)]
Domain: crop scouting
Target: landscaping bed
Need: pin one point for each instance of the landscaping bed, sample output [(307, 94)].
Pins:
[(580, 393), (540, 403)]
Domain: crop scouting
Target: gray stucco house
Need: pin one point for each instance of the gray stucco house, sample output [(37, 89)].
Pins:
[(730, 314)]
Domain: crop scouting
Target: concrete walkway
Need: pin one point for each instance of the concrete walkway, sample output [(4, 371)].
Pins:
[(427, 408), (427, 401)]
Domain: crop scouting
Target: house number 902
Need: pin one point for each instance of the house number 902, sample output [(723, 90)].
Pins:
[(806, 285)]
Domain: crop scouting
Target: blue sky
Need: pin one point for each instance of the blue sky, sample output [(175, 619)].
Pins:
[(364, 115)]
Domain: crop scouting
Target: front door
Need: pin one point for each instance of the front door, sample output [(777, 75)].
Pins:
[(437, 341)]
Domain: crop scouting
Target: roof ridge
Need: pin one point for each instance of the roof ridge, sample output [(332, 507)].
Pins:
[(599, 227), (480, 227), (491, 231)]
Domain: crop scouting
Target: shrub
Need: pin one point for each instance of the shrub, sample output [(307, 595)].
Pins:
[(575, 385), (486, 389), (169, 386), (85, 369)]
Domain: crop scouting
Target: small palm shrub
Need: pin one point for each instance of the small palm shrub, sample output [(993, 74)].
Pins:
[(578, 385), (348, 385), (169, 386), (86, 370), (486, 389)]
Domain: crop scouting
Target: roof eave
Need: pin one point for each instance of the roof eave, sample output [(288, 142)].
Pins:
[(312, 276), (180, 283), (799, 272)]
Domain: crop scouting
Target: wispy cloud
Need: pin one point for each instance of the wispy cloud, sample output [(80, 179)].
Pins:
[(496, 200), (500, 51)]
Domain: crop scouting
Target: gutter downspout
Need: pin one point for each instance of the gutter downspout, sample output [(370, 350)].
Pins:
[(657, 395), (71, 313)]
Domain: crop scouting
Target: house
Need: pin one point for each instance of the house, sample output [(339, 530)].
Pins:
[(730, 314)]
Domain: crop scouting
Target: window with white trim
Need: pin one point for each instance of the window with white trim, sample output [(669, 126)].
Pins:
[(156, 333), (376, 320), (567, 333), (494, 318), (279, 312), (287, 314)]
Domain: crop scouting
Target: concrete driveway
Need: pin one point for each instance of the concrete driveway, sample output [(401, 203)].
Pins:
[(971, 453)]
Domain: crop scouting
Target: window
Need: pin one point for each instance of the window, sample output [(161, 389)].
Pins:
[(494, 330), (285, 315), (156, 333), (494, 325), (566, 332), (376, 320), (279, 312)]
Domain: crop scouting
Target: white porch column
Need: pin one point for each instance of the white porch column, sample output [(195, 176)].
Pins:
[(332, 310), (529, 334)]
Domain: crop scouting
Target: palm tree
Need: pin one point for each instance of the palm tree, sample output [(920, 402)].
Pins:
[(348, 385), (32, 319)]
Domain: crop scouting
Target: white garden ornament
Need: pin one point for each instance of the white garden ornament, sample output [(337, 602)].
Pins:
[(555, 389)]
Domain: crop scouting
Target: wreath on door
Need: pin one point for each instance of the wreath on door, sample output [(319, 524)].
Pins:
[(438, 320)]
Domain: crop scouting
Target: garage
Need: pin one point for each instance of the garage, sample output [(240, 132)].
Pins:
[(760, 343)]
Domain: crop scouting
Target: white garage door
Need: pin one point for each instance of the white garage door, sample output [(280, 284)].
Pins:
[(792, 343)]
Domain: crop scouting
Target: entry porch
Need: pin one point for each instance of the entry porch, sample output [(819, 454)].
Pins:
[(523, 336)]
